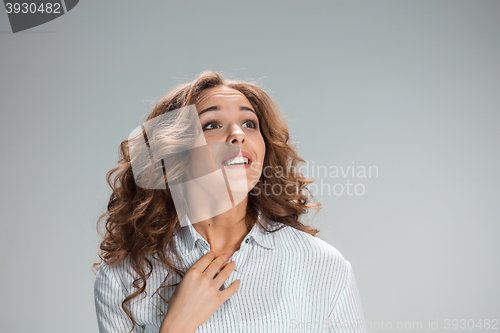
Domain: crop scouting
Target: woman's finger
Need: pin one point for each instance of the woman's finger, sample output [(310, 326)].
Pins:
[(215, 266), (203, 262), (224, 273), (229, 291)]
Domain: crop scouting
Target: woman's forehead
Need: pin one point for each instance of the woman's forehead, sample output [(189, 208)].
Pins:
[(220, 92)]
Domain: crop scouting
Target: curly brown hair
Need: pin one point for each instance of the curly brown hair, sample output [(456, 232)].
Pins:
[(141, 223)]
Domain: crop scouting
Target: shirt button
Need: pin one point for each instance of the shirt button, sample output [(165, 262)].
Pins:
[(247, 240)]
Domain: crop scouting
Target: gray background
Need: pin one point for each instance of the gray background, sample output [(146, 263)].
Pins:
[(409, 87)]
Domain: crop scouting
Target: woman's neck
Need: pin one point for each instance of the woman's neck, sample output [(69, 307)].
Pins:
[(226, 231)]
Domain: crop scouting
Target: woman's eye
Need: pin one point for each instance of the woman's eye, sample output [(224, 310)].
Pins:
[(250, 124), (211, 125)]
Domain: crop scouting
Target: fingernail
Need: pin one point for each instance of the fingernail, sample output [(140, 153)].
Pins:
[(226, 255), (233, 263)]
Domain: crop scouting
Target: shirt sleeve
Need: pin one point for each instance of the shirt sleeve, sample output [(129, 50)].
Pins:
[(108, 296), (347, 315)]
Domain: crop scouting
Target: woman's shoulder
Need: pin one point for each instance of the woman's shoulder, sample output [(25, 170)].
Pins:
[(123, 272), (316, 259), (115, 266), (307, 247), (120, 274)]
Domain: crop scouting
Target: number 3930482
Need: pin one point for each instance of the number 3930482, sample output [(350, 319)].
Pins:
[(32, 8)]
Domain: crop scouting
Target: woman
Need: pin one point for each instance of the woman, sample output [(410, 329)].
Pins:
[(172, 262)]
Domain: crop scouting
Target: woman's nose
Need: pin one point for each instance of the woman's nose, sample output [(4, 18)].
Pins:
[(237, 135)]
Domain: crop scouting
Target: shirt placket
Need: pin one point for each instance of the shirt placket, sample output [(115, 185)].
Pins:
[(240, 257)]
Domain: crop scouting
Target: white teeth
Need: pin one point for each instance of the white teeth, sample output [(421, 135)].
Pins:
[(235, 161)]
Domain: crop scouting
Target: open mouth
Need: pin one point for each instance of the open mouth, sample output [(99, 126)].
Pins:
[(236, 161), (242, 159)]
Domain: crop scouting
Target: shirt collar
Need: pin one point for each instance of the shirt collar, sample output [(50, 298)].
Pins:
[(188, 236)]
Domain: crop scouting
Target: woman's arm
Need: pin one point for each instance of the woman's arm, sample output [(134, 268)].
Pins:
[(108, 296), (347, 314)]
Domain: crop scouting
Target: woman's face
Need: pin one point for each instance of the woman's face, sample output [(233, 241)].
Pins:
[(227, 116)]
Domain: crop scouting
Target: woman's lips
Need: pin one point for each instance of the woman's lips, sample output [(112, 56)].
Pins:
[(241, 154)]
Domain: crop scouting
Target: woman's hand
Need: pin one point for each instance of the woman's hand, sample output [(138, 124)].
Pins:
[(197, 296)]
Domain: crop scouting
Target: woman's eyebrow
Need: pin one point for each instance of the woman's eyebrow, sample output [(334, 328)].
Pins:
[(217, 108)]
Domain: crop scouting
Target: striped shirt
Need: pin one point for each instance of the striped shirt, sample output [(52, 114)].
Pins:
[(290, 282)]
